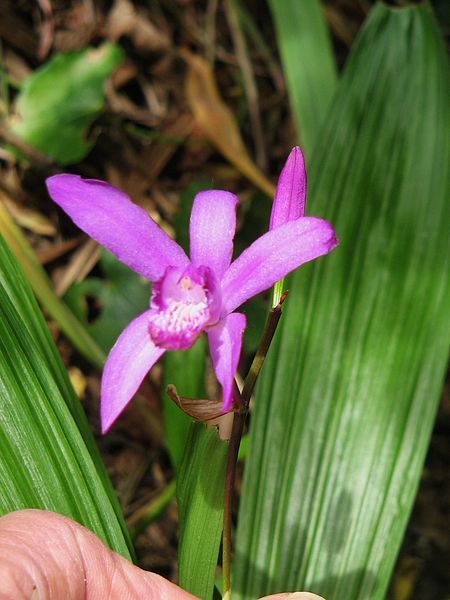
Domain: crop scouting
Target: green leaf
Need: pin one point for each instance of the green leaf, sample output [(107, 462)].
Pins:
[(308, 63), (58, 102), (186, 371), (200, 493), (122, 295), (48, 457), (43, 289), (348, 395)]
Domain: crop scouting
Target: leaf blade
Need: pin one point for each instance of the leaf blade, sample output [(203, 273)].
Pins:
[(355, 376), (49, 459), (200, 493), (43, 289), (58, 102), (308, 63)]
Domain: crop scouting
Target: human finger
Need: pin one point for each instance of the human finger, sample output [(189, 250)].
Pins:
[(45, 556)]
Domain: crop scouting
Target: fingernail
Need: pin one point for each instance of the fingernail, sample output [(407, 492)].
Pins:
[(304, 596)]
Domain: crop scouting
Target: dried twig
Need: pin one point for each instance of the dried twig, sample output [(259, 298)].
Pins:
[(251, 89)]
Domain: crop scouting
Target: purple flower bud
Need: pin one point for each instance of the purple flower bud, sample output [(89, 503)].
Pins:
[(290, 197)]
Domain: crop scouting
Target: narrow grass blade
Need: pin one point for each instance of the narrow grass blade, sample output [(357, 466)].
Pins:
[(348, 396), (200, 493), (43, 289), (308, 63), (48, 457)]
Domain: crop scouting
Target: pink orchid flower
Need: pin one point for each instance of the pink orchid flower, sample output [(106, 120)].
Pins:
[(189, 295)]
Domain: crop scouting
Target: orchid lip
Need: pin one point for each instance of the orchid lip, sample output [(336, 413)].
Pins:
[(184, 303)]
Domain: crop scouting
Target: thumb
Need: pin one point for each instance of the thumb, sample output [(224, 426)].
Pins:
[(45, 556)]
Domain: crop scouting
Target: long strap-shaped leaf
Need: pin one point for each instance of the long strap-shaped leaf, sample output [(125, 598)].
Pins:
[(347, 400), (200, 491), (48, 458), (42, 287), (308, 63)]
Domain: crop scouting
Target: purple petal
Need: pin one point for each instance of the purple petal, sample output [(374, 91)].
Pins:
[(225, 341), (273, 256), (109, 217), (290, 197), (131, 358), (213, 222)]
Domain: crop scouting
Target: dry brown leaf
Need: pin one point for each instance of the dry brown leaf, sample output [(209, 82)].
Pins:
[(125, 20), (46, 29), (126, 108), (208, 411), (28, 218), (15, 66), (80, 265), (120, 21), (147, 37), (217, 121), (78, 381), (158, 154), (53, 251)]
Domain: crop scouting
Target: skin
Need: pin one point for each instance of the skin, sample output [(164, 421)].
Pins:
[(44, 556)]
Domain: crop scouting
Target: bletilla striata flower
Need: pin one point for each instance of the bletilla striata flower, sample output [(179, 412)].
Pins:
[(189, 295)]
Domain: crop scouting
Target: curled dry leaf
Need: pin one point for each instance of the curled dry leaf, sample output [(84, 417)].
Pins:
[(208, 411), (217, 121), (80, 265)]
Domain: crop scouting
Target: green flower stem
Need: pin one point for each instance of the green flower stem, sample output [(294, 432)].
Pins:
[(243, 400), (261, 353)]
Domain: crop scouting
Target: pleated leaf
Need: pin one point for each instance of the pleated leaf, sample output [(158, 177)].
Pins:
[(200, 494), (48, 457), (348, 396)]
